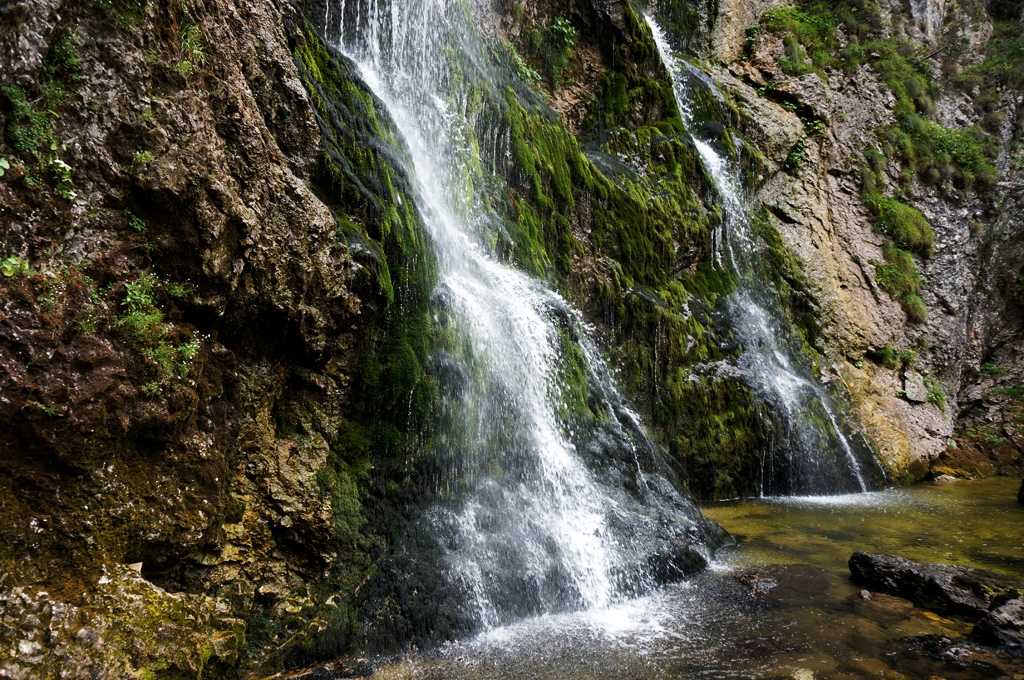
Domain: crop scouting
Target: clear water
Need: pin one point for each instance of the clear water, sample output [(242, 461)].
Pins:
[(779, 605), (540, 510), (813, 454)]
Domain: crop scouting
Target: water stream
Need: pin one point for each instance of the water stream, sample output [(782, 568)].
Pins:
[(812, 454), (542, 511)]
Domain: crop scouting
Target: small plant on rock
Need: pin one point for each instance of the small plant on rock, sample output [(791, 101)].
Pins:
[(134, 222), (193, 49), (796, 157), (522, 69), (13, 266)]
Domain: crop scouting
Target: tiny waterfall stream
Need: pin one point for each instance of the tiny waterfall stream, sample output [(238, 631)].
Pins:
[(549, 513), (817, 457)]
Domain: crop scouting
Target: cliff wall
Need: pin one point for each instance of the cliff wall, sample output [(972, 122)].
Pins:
[(216, 384)]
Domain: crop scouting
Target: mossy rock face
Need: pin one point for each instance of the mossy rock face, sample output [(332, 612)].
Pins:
[(125, 627), (243, 357)]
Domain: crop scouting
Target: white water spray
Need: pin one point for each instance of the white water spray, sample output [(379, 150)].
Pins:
[(536, 528)]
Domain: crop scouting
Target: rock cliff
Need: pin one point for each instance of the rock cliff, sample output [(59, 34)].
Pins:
[(216, 382)]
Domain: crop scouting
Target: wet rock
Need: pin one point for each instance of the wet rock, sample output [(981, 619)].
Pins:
[(943, 588), (993, 600), (1003, 625), (758, 581)]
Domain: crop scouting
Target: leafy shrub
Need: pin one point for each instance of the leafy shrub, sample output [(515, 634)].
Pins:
[(555, 44), (521, 68), (937, 395), (192, 46), (134, 222), (144, 322)]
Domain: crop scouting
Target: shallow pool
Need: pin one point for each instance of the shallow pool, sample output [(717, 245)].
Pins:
[(779, 604)]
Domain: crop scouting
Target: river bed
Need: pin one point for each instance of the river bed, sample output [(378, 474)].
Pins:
[(777, 605)]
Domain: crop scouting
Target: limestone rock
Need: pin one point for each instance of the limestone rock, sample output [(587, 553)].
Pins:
[(734, 16), (914, 387), (125, 626)]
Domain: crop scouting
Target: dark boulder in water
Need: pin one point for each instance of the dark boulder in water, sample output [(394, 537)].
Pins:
[(994, 601)]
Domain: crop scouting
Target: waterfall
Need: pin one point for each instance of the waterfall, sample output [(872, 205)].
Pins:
[(540, 509), (814, 455)]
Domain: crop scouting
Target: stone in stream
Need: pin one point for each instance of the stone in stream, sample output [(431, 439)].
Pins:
[(993, 600), (1003, 626)]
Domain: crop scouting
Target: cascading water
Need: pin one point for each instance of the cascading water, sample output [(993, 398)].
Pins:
[(543, 508), (816, 456)]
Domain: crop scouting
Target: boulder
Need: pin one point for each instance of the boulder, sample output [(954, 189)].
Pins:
[(914, 388), (1003, 626), (993, 600)]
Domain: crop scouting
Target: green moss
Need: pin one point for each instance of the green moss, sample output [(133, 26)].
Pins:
[(393, 394), (785, 272), (28, 128), (710, 282), (899, 277), (682, 19), (720, 424), (903, 223)]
